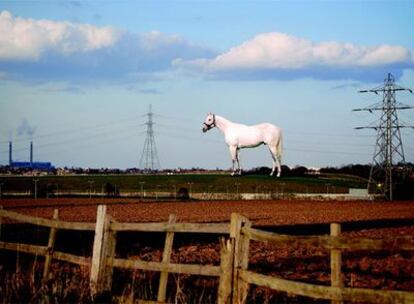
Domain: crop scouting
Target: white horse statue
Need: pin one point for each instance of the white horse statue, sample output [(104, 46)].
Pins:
[(239, 136)]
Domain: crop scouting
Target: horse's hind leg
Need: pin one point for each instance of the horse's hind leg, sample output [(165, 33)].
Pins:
[(234, 157), (279, 164), (273, 154), (276, 161)]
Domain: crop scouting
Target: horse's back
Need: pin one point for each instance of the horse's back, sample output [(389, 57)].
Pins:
[(271, 133), (269, 128)]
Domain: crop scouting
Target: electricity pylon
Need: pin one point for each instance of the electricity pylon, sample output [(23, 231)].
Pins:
[(149, 161), (388, 148)]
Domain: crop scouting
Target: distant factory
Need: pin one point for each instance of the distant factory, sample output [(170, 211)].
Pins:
[(30, 164)]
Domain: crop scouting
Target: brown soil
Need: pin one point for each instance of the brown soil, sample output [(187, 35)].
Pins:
[(262, 213), (392, 269)]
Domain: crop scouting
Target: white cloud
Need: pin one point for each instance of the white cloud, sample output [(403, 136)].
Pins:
[(155, 39), (45, 50), (281, 51), (387, 54), (33, 49), (28, 39)]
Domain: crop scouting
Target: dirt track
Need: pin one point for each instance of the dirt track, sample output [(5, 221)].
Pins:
[(262, 213)]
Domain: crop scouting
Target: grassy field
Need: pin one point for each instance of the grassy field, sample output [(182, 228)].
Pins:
[(197, 183)]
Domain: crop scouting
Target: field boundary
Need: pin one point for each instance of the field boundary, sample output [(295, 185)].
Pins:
[(233, 274), (207, 196)]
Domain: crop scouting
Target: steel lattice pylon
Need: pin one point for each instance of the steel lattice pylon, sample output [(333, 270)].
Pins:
[(388, 147), (149, 161)]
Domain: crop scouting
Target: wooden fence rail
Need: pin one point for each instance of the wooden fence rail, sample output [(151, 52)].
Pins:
[(38, 221), (335, 243), (332, 242), (327, 292), (43, 251), (168, 227), (103, 259), (234, 276)]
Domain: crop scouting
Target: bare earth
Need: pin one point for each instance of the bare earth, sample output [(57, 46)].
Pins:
[(388, 270), (262, 213)]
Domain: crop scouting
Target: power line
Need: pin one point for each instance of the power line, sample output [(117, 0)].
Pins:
[(221, 142), (102, 136), (181, 129), (176, 118), (176, 126), (189, 138), (75, 130), (388, 148), (95, 141), (86, 137), (324, 151)]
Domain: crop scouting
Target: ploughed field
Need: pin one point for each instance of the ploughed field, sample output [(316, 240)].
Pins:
[(391, 269), (260, 212)]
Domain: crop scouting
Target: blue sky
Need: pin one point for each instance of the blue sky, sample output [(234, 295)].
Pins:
[(77, 78)]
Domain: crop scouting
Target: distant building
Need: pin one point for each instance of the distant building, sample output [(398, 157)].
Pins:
[(44, 166)]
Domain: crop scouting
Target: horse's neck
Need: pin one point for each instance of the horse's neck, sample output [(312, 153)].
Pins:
[(222, 123)]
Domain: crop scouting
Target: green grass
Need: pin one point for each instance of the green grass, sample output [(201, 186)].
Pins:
[(197, 183)]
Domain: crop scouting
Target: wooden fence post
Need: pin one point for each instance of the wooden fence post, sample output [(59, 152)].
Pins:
[(108, 254), (166, 256), (103, 253), (50, 246), (241, 256), (97, 253), (226, 267), (336, 260), (1, 218)]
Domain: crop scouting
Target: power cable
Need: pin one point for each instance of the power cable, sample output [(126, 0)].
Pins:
[(66, 131)]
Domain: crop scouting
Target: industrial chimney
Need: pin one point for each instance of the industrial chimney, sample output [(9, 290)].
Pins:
[(10, 153), (31, 153)]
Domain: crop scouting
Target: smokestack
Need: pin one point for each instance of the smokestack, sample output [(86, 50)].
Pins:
[(10, 153), (31, 152)]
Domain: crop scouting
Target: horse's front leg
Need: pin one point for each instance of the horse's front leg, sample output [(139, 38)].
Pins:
[(233, 154)]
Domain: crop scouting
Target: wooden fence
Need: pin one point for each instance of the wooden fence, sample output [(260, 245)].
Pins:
[(103, 258), (242, 233), (233, 273)]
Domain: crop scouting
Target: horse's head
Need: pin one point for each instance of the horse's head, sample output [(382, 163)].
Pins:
[(209, 122)]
